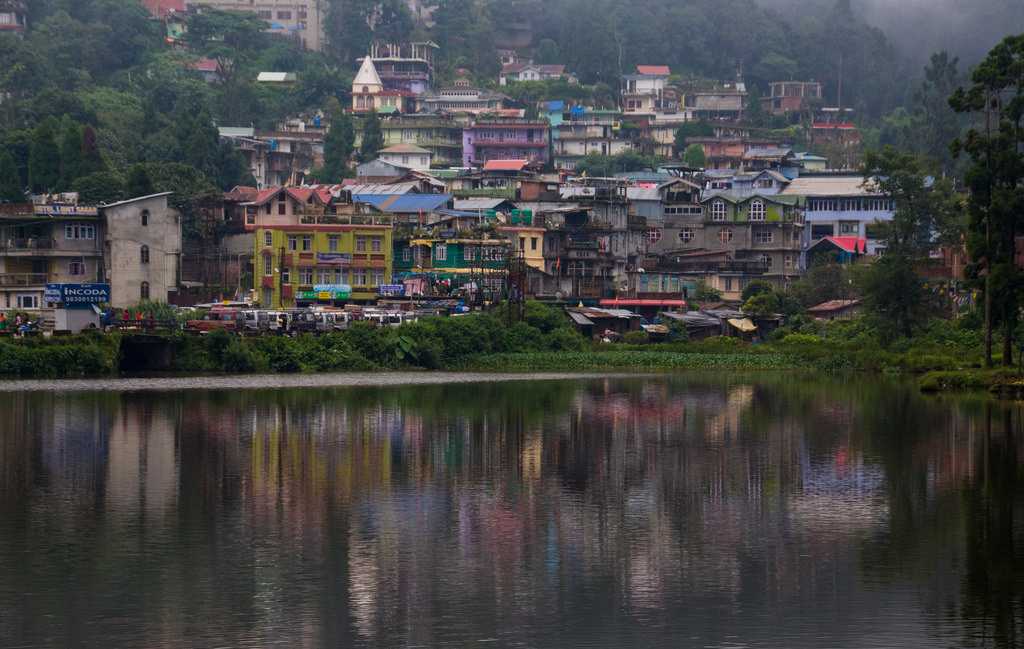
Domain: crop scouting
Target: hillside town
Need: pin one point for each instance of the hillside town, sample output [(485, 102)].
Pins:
[(452, 190)]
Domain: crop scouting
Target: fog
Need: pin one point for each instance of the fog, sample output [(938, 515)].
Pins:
[(967, 28)]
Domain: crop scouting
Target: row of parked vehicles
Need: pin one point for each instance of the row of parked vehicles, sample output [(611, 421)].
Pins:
[(293, 322)]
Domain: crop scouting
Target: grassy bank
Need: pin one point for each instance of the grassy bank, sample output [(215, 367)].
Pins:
[(946, 356)]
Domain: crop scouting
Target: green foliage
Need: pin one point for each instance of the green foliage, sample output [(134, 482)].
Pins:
[(44, 157), (762, 304), (757, 287), (100, 187), (70, 152), (11, 189), (694, 157), (704, 292), (373, 138), (636, 338), (138, 183), (596, 165), (338, 147), (60, 357)]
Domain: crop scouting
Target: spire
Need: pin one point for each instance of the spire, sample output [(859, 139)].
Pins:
[(367, 76)]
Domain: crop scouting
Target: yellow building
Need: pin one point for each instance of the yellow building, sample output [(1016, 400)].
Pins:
[(529, 241), (310, 252)]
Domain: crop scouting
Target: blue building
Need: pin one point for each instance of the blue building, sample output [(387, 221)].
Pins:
[(842, 206)]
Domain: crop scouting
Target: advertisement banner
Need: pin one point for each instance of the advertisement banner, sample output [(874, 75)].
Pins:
[(80, 296), (333, 258), (391, 290)]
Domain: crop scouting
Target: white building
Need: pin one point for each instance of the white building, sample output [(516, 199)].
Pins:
[(409, 156), (142, 249), (303, 20)]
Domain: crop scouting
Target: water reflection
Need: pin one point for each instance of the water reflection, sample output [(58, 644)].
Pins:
[(768, 511)]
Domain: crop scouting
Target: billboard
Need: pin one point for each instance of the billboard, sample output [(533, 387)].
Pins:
[(81, 296)]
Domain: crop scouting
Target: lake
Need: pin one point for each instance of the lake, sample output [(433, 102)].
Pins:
[(706, 510)]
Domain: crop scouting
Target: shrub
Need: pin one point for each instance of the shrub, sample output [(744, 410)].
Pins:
[(636, 338)]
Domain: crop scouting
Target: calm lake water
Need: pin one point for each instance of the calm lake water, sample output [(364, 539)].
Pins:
[(771, 510)]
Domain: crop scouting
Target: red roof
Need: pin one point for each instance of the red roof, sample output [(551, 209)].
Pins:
[(161, 8), (504, 165), (656, 70), (205, 65), (852, 245), (621, 302)]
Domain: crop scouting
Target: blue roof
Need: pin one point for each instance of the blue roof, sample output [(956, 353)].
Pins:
[(556, 105), (405, 203)]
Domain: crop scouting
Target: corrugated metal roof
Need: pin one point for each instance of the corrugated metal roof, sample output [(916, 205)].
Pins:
[(479, 203), (275, 77), (643, 194), (504, 165), (404, 148), (377, 188), (581, 319), (829, 186), (404, 204), (655, 70)]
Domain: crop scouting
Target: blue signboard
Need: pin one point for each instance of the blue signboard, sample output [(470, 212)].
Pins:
[(334, 258), (391, 290), (80, 296)]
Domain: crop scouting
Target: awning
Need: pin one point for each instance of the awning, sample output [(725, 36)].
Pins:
[(744, 325), (653, 303), (581, 319)]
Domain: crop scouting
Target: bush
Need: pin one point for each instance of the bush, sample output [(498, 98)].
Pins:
[(636, 338), (757, 287)]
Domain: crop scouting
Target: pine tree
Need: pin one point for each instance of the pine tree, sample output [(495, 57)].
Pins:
[(70, 152), (373, 138), (44, 157), (338, 147), (11, 190)]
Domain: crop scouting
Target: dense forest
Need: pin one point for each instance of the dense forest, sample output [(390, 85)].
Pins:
[(93, 97)]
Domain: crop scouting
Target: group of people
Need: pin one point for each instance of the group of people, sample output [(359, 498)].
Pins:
[(21, 326)]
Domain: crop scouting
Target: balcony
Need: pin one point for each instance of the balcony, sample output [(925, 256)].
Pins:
[(22, 279), (48, 247)]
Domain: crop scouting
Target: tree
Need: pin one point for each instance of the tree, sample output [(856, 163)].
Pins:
[(688, 130), (91, 161), (70, 152), (373, 138), (925, 215), (44, 157), (756, 115), (548, 53), (757, 287), (994, 146), (338, 147), (762, 304), (11, 189), (138, 183), (694, 157), (100, 187), (940, 123)]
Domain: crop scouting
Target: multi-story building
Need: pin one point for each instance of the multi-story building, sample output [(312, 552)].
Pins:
[(283, 156), (504, 139), (439, 134), (310, 247), (842, 206), (369, 94), (133, 245), (408, 156), (645, 92), (727, 103), (405, 67), (529, 71), (461, 99), (303, 20), (585, 131), (786, 97), (13, 17)]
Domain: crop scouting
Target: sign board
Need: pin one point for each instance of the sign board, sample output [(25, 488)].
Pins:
[(391, 290), (327, 292), (334, 258), (79, 296)]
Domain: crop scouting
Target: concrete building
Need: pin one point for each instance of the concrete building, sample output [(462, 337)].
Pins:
[(134, 246), (842, 206), (370, 95), (581, 132), (404, 67), (13, 17), (787, 97), (142, 249), (303, 20), (461, 99), (644, 92), (409, 156), (282, 156), (438, 134), (529, 71), (504, 139)]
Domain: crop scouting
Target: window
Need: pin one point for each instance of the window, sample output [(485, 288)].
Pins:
[(305, 275), (378, 278), (27, 302), (441, 252), (145, 218), (522, 243), (654, 235), (764, 236), (324, 276), (268, 239), (360, 244), (468, 253), (284, 15), (686, 235), (849, 228), (757, 210), (718, 211), (286, 275), (766, 261), (144, 291), (265, 14), (375, 244), (407, 255), (332, 243), (359, 277), (282, 209), (725, 236), (533, 243), (79, 232), (268, 265), (76, 267), (307, 243), (765, 183), (788, 261), (293, 243), (338, 276), (144, 254)]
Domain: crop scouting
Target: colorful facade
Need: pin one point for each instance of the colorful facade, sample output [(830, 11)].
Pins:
[(505, 139)]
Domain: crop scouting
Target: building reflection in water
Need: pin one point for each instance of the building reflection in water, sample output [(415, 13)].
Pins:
[(605, 511)]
